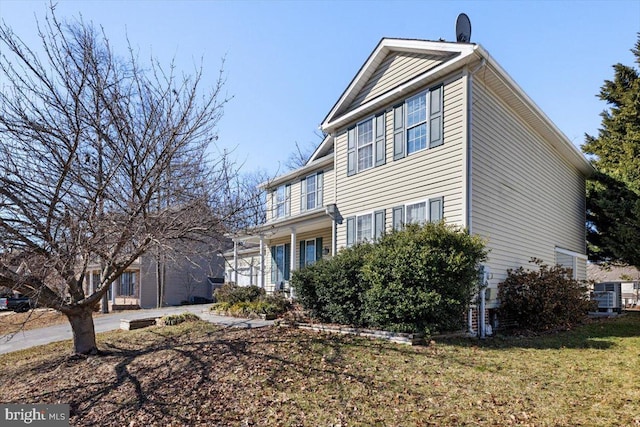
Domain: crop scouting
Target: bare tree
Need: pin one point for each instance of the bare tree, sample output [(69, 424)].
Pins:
[(102, 159)]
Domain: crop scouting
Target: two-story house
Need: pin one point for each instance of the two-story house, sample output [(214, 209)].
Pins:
[(428, 131)]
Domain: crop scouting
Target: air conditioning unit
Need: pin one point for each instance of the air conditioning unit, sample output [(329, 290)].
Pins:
[(608, 295)]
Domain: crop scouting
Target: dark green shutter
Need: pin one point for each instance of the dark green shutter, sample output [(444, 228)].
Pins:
[(303, 254), (436, 210), (274, 266), (398, 132), (380, 146), (435, 117), (351, 151), (351, 231), (378, 224), (318, 248), (287, 260), (398, 217)]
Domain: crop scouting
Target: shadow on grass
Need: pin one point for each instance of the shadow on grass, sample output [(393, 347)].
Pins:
[(598, 333), (162, 376)]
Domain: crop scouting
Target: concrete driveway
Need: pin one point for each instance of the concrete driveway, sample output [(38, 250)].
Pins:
[(111, 321)]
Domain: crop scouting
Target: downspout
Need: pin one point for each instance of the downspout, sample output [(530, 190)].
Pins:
[(482, 288)]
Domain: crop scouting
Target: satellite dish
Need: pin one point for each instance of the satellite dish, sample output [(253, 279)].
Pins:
[(463, 29)]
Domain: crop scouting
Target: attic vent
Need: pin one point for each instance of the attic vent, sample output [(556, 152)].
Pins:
[(463, 29)]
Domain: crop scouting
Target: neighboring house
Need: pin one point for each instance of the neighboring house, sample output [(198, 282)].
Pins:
[(627, 277), (430, 131), (149, 283)]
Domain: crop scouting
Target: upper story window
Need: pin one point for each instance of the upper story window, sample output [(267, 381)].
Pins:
[(417, 123), (282, 201), (311, 192), (366, 145)]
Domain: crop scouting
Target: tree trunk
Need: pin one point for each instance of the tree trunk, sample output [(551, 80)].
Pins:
[(84, 334)]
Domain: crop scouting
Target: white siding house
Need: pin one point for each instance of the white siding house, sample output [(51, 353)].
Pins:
[(428, 131)]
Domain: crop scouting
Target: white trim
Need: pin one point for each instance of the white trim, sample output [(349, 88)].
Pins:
[(427, 207), (570, 253), (385, 47), (427, 111)]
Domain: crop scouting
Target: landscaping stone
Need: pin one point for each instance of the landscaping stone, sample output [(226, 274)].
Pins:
[(129, 325)]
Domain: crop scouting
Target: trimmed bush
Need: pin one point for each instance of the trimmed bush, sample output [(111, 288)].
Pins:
[(176, 319), (233, 294), (419, 279), (543, 299), (333, 290), (422, 278), (259, 304)]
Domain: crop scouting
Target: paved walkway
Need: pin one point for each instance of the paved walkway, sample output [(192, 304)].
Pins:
[(111, 321)]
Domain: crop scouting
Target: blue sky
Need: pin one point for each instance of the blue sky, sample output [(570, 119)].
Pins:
[(287, 62)]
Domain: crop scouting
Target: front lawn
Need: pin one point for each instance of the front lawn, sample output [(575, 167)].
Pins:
[(199, 374)]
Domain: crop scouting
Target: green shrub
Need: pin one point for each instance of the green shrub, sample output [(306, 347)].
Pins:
[(422, 278), (332, 290), (542, 299), (419, 279), (176, 319), (267, 304), (232, 293)]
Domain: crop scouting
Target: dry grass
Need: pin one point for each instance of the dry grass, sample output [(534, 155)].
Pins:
[(11, 322), (199, 374)]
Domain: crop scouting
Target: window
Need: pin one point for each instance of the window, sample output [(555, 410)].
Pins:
[(362, 228), (416, 213), (575, 261), (282, 201), (310, 251), (311, 192), (366, 145), (280, 263), (127, 283), (417, 123), (95, 281)]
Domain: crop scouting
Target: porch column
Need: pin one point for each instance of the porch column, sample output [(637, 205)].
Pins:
[(235, 261), (261, 278), (293, 251)]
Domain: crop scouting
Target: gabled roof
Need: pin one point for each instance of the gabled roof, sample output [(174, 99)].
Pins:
[(446, 52), (443, 58)]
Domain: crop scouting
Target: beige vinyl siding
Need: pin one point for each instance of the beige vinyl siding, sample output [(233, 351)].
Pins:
[(325, 233), (397, 68), (328, 194), (428, 173), (526, 200)]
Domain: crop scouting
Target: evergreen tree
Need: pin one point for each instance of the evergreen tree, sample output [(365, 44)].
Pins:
[(613, 193)]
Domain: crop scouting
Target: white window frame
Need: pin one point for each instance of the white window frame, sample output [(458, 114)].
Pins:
[(574, 259), (280, 274), (315, 196), (128, 288), (360, 146), (423, 122), (309, 260), (427, 209), (360, 238), (281, 205)]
